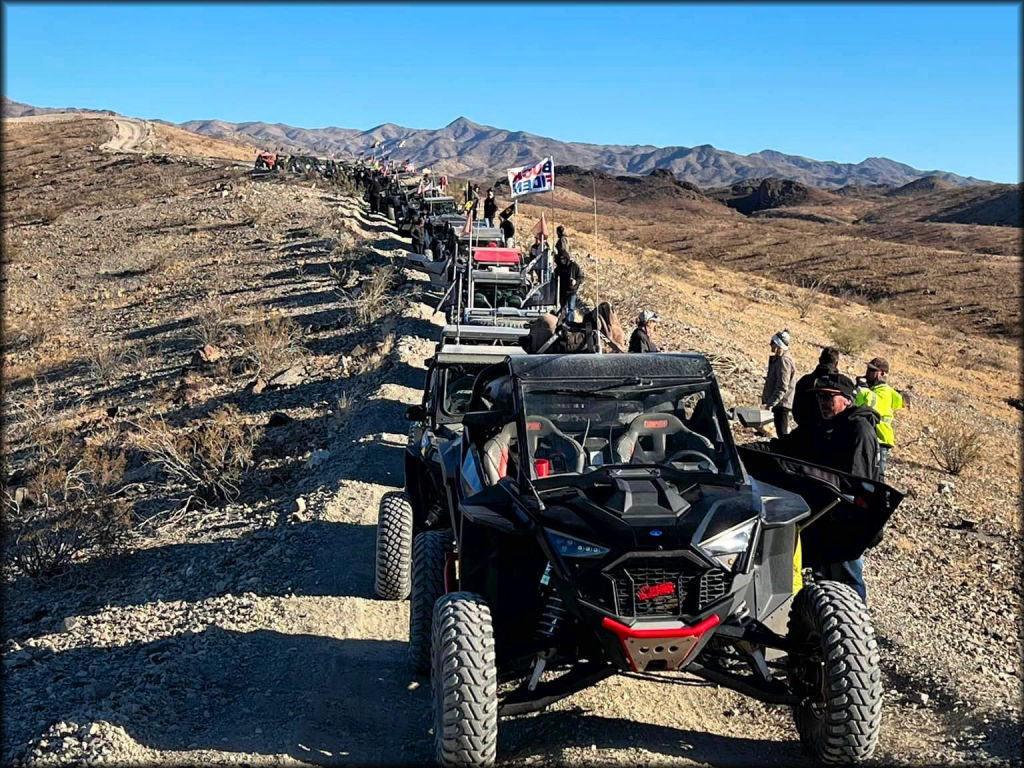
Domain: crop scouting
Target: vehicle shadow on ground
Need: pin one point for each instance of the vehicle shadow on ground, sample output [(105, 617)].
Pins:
[(548, 733), (318, 699), (263, 562)]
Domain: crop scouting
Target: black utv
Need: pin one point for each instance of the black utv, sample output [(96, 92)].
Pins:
[(602, 520), (437, 419)]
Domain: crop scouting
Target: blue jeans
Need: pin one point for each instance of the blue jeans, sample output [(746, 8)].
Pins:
[(570, 303), (849, 572), (883, 461), (488, 222)]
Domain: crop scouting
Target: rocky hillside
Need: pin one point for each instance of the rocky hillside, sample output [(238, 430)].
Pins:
[(161, 306)]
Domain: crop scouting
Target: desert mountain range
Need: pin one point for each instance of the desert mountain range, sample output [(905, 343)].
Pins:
[(467, 149)]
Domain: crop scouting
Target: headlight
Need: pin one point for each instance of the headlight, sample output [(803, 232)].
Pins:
[(729, 546), (567, 546)]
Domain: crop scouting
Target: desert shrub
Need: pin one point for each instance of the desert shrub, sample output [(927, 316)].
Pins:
[(807, 296), (207, 459), (160, 262), (852, 337), (26, 331), (137, 355), (935, 356), (371, 299), (271, 343), (69, 504), (956, 444), (212, 323), (104, 362)]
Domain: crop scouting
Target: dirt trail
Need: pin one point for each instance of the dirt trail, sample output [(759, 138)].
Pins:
[(129, 135)]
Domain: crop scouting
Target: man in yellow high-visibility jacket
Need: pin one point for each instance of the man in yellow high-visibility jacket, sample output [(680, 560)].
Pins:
[(883, 400)]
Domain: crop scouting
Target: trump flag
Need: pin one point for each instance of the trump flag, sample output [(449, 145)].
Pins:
[(530, 179)]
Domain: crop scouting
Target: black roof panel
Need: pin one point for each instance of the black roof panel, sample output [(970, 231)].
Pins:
[(680, 365)]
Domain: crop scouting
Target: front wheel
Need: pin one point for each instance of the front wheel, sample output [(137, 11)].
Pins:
[(429, 561), (834, 664), (464, 682), (394, 547)]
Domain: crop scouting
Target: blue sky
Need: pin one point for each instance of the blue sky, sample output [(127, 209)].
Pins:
[(934, 86)]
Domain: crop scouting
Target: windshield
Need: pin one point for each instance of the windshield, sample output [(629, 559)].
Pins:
[(576, 428), (457, 383)]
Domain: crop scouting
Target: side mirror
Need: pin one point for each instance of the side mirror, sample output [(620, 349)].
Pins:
[(415, 413)]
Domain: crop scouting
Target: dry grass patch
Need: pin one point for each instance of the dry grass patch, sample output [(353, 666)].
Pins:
[(213, 322), (271, 343), (206, 459)]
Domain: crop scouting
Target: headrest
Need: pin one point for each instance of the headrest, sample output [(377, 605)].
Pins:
[(655, 423)]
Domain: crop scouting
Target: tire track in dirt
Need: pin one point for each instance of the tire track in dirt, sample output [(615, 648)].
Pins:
[(129, 135)]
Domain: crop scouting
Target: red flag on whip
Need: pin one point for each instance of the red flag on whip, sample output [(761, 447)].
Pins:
[(468, 229), (541, 227)]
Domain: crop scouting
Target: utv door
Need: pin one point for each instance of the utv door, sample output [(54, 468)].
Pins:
[(848, 513)]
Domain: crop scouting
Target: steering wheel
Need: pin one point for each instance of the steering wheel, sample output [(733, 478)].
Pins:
[(704, 458)]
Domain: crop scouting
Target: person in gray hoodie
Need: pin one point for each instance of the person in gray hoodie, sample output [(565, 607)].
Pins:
[(780, 382)]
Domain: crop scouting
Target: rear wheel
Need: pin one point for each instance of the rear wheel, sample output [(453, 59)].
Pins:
[(835, 665), (464, 682), (394, 547), (429, 558)]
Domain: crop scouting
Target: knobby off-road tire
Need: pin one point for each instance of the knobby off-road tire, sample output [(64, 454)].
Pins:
[(843, 728), (464, 682), (394, 547), (429, 552)]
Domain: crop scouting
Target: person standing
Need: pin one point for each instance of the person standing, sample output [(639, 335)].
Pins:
[(419, 236), (780, 382), (508, 229), (539, 253), (490, 208), (883, 400), (562, 243), (374, 194), (805, 404), (641, 340), (568, 277), (844, 440)]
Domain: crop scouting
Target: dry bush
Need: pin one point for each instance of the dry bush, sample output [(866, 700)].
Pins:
[(935, 356), (27, 331), (104, 362), (161, 262), (956, 444), (807, 296), (370, 300), (207, 459), (137, 355), (852, 337), (69, 504), (271, 343), (213, 322)]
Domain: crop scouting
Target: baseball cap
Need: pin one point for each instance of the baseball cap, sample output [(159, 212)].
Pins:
[(836, 383), (647, 316), (879, 364)]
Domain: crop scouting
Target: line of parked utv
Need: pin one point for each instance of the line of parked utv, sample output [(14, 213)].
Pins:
[(571, 514)]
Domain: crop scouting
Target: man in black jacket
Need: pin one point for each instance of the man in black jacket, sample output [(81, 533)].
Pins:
[(374, 194), (490, 208), (641, 341), (568, 277), (844, 440), (419, 236), (805, 403)]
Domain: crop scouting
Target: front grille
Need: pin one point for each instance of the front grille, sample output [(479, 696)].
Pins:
[(693, 590)]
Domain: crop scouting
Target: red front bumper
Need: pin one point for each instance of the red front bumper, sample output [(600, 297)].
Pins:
[(673, 645)]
